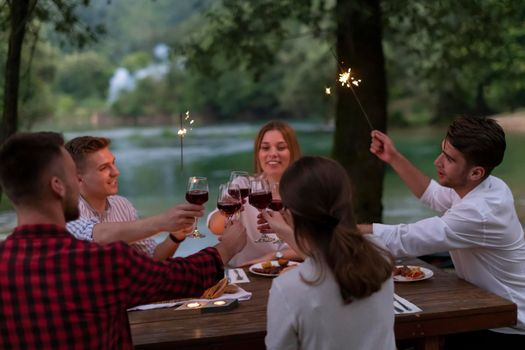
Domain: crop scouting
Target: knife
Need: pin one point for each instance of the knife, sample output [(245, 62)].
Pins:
[(400, 303), (398, 310)]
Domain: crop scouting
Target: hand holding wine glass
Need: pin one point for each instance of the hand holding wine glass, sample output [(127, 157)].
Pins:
[(197, 193)]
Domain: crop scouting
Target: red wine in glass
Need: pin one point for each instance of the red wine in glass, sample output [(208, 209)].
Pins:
[(228, 208), (197, 193), (245, 192), (276, 205), (242, 179), (229, 199), (260, 200), (260, 197), (234, 193), (198, 197)]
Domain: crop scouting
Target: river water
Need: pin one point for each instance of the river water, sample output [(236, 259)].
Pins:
[(153, 176)]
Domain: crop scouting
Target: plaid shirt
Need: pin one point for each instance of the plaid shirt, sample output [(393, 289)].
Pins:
[(57, 292)]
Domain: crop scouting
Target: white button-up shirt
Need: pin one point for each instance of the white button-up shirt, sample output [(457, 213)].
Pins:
[(482, 233)]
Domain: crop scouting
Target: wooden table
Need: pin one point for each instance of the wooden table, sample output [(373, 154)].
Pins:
[(449, 305)]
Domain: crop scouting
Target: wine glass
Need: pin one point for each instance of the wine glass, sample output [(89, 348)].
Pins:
[(241, 178), (229, 199), (276, 205), (260, 197), (197, 193)]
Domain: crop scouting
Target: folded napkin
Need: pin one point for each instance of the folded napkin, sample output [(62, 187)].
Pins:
[(241, 295), (403, 306), (237, 276)]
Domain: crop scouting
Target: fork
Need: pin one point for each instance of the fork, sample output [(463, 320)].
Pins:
[(239, 277)]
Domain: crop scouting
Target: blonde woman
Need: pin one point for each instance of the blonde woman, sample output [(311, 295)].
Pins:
[(275, 148)]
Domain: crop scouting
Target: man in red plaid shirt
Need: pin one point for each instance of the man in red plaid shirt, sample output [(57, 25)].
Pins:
[(57, 292)]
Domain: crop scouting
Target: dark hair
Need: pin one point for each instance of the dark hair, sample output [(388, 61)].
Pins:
[(480, 140), (24, 159), (288, 135), (325, 228), (80, 147)]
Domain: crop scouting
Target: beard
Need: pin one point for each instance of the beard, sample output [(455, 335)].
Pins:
[(71, 211)]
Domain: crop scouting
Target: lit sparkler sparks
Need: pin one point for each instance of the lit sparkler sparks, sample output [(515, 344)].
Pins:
[(346, 78), (328, 90), (182, 132)]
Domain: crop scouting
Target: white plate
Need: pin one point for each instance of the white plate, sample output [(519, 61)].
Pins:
[(274, 263), (428, 273)]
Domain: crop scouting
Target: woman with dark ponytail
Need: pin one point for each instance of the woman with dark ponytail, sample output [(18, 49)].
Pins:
[(341, 296)]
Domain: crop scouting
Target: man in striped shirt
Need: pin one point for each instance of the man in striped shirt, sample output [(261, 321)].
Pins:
[(107, 217)]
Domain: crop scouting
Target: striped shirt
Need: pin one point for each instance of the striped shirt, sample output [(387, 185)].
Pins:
[(118, 209)]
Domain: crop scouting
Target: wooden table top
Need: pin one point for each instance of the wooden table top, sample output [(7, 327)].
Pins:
[(449, 305)]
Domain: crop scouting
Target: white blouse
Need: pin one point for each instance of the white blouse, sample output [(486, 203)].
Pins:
[(303, 316)]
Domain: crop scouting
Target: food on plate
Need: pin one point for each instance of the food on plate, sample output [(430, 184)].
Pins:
[(269, 268), (266, 264), (411, 272), (283, 262), (231, 289), (217, 290)]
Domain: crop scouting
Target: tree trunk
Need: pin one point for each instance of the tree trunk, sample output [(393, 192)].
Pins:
[(481, 108), (359, 46), (19, 11)]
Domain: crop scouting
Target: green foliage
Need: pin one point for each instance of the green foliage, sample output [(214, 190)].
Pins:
[(467, 54), (146, 99), (83, 75), (249, 33), (64, 22), (240, 59), (138, 25), (136, 60), (36, 100)]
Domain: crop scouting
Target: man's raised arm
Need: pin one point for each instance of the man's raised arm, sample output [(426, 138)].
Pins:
[(383, 147)]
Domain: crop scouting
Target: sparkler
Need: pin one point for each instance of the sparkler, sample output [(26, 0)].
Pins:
[(347, 79), (182, 132)]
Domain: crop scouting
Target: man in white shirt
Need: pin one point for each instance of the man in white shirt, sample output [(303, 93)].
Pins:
[(106, 217), (478, 223)]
